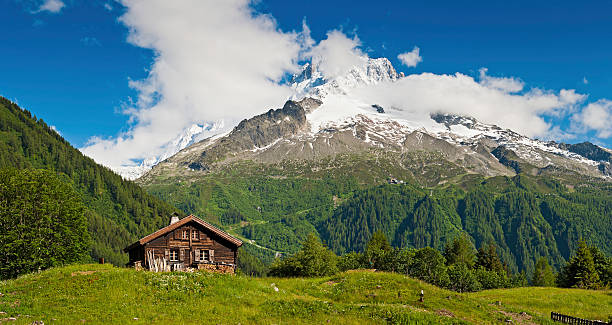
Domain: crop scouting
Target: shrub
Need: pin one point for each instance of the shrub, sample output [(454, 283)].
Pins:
[(462, 278), (429, 265), (313, 259)]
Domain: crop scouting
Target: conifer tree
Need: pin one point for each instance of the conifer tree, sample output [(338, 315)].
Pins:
[(543, 275), (488, 259), (460, 250), (313, 259), (377, 248), (580, 271)]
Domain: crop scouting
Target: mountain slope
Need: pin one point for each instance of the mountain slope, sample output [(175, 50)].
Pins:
[(323, 163), (118, 211), (323, 119)]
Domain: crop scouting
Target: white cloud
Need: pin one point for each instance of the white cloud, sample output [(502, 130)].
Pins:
[(511, 85), (596, 117), (52, 6), (585, 81), (418, 95), (411, 59), (220, 60), (55, 129), (213, 60), (337, 54), (108, 6)]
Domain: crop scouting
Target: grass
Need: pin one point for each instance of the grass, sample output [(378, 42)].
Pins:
[(106, 294)]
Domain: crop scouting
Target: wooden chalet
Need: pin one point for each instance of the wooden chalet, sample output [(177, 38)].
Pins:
[(186, 243)]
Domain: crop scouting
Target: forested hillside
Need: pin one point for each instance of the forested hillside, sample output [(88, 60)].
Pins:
[(118, 211), (527, 217)]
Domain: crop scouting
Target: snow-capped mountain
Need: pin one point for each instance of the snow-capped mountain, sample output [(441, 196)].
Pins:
[(311, 82), (324, 118), (188, 136)]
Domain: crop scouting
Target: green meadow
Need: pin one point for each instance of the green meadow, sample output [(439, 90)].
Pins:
[(96, 294)]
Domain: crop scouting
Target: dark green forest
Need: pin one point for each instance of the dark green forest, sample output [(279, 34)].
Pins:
[(526, 217), (118, 211)]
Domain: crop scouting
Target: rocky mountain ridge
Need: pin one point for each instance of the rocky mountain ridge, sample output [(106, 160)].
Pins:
[(311, 127)]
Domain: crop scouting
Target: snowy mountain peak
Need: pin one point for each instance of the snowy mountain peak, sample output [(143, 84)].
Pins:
[(328, 115), (311, 82), (190, 135)]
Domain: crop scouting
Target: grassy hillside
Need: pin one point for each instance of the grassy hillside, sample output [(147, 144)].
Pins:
[(102, 293), (118, 211)]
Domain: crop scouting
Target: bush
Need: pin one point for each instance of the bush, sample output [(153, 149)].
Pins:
[(351, 261), (429, 265), (313, 259), (462, 278)]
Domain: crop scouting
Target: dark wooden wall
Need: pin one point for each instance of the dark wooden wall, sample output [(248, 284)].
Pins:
[(223, 251)]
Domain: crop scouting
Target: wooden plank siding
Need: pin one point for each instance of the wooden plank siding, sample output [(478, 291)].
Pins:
[(220, 248)]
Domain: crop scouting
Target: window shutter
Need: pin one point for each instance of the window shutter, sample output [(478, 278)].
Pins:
[(167, 254), (182, 256), (196, 256), (211, 254)]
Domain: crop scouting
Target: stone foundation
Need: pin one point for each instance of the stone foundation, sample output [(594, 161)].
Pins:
[(217, 268)]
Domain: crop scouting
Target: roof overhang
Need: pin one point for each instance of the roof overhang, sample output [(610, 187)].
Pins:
[(231, 239)]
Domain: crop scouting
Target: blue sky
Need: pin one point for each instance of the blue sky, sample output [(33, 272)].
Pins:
[(72, 67)]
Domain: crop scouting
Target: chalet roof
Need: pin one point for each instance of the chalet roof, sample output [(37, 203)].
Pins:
[(182, 222)]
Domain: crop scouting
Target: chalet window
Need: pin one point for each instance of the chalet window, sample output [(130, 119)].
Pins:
[(204, 255), (174, 255), (195, 234), (185, 234)]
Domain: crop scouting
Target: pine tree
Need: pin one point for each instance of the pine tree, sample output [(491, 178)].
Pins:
[(488, 259), (313, 259), (603, 266), (377, 248), (460, 250), (580, 271), (543, 275)]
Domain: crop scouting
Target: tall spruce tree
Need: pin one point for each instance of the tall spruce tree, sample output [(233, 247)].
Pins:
[(460, 251), (543, 276), (488, 259), (580, 271)]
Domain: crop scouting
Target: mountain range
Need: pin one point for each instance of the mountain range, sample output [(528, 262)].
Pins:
[(331, 163), (323, 120)]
